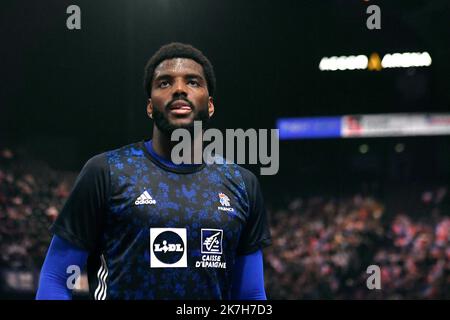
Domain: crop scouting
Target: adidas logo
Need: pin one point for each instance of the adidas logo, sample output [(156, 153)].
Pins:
[(145, 198)]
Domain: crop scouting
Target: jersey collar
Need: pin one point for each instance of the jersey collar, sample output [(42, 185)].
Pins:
[(167, 164)]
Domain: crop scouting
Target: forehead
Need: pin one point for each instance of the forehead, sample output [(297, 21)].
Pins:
[(178, 66)]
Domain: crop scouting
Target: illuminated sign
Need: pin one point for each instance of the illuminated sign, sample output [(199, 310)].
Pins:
[(362, 62), (364, 125)]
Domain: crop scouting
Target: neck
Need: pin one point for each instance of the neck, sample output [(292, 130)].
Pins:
[(162, 145)]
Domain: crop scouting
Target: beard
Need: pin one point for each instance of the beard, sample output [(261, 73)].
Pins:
[(166, 127)]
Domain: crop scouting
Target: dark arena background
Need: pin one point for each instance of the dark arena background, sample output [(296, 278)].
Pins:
[(363, 113)]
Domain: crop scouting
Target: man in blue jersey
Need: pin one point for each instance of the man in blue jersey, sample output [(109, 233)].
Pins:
[(147, 228)]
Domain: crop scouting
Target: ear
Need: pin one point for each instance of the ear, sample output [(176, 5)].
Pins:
[(210, 107), (150, 108)]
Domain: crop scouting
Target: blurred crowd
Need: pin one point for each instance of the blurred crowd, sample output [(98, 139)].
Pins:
[(322, 246), (31, 195)]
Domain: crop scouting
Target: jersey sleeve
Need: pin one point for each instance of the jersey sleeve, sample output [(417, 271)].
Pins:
[(248, 278), (82, 217), (256, 233)]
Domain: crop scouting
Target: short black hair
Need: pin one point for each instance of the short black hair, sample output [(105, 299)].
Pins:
[(179, 50)]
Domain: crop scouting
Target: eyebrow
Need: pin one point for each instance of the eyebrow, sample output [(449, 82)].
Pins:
[(188, 76)]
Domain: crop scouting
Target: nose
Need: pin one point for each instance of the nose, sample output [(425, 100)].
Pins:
[(179, 88)]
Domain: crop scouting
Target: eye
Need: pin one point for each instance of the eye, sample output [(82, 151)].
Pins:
[(163, 84), (193, 82)]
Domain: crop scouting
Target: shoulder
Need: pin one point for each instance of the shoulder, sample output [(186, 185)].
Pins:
[(132, 149), (101, 161), (247, 175), (117, 156), (250, 181), (97, 161)]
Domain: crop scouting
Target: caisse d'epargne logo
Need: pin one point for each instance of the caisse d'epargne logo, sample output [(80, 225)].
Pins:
[(212, 241)]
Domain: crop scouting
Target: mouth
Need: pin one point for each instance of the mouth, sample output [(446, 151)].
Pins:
[(180, 107)]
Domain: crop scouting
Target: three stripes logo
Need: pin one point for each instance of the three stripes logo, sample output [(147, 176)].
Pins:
[(102, 275), (145, 198)]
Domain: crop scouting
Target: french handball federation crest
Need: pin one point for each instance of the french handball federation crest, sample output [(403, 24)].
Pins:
[(224, 200)]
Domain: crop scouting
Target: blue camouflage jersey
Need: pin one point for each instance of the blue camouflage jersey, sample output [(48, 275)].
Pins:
[(155, 230)]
